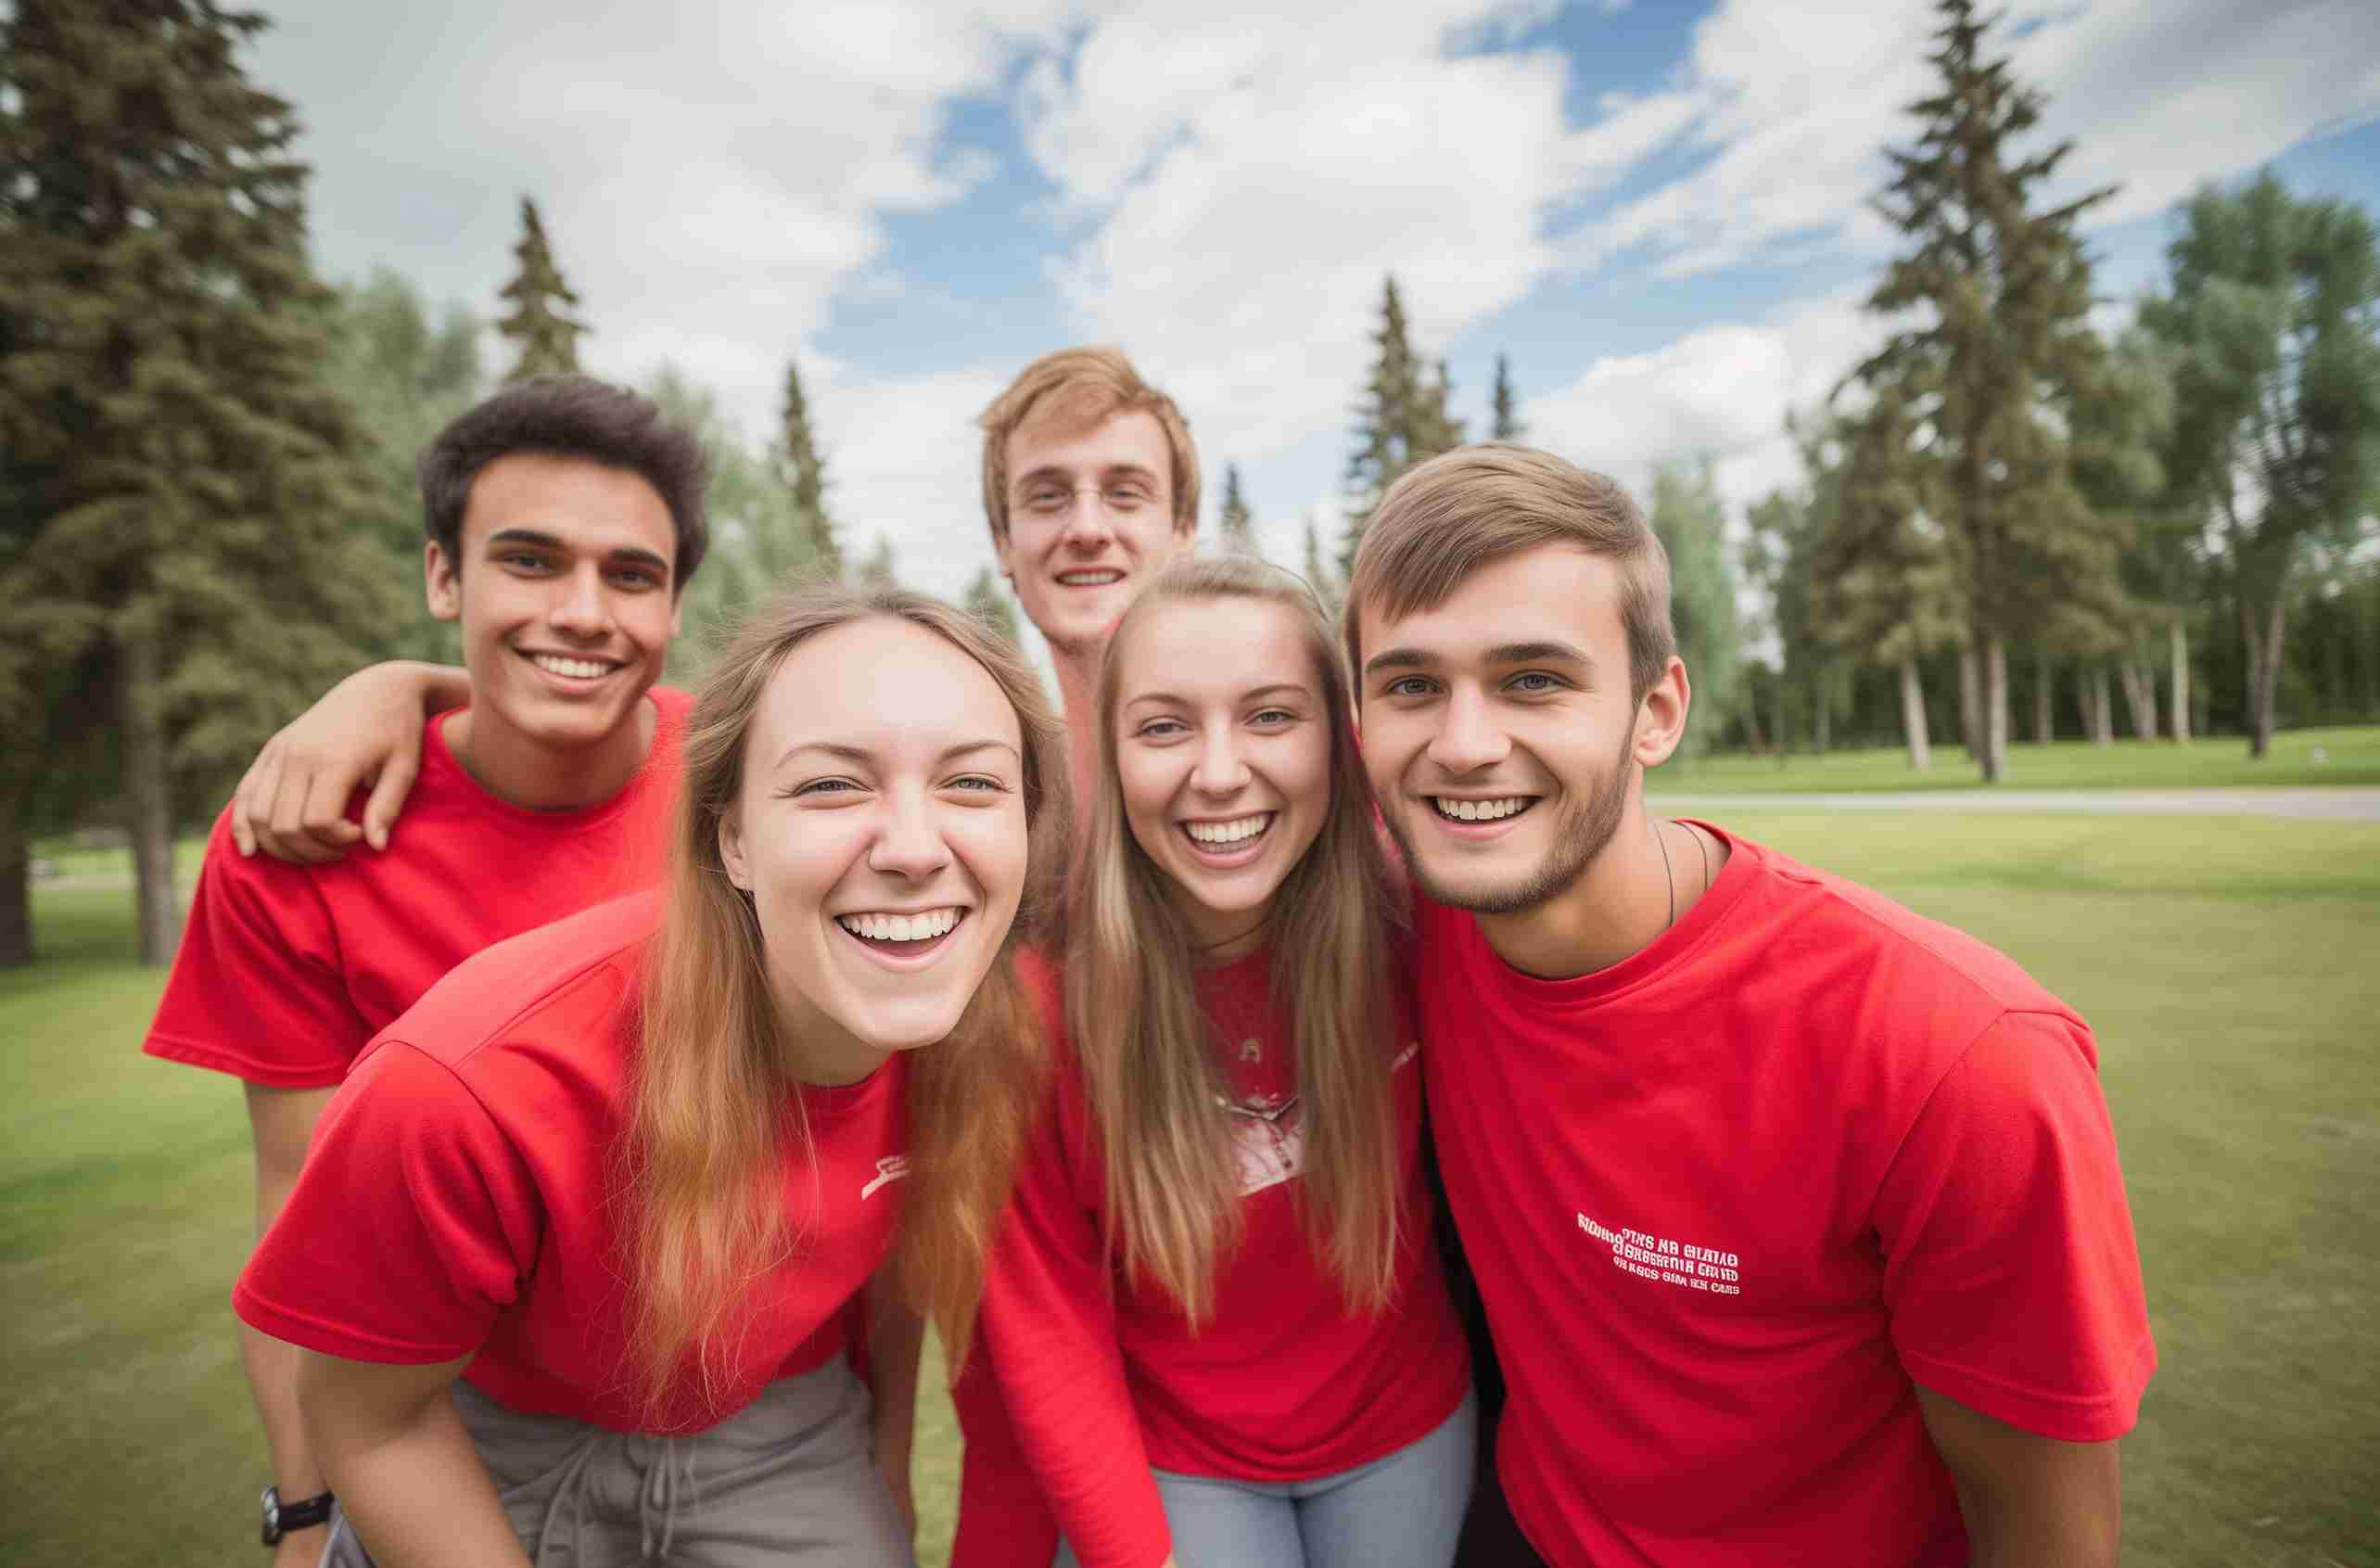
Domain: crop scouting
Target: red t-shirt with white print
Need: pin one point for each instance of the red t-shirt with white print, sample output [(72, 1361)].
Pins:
[(459, 1199), (1730, 1201), (1103, 1378)]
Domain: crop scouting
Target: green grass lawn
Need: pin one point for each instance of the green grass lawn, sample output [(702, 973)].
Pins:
[(2349, 756), (2231, 969)]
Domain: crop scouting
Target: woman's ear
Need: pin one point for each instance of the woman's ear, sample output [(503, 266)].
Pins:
[(731, 849)]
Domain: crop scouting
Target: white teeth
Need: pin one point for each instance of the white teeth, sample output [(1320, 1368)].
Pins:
[(1090, 579), (1230, 832), (581, 668), (920, 927), (1479, 810)]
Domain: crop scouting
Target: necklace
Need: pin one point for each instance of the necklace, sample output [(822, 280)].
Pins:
[(1669, 878)]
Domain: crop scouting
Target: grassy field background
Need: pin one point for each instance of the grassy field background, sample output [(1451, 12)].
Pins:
[(2298, 757), (2231, 967)]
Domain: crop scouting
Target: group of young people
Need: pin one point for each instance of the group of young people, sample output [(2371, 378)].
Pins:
[(624, 1111)]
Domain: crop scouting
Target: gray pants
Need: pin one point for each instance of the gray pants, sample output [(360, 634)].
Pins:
[(1403, 1510), (792, 1479)]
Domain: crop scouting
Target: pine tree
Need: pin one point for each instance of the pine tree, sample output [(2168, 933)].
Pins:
[(539, 322), (1318, 577), (1508, 426), (186, 486), (2272, 310), (1238, 524), (1404, 419), (2004, 349), (987, 604), (803, 472), (1883, 587)]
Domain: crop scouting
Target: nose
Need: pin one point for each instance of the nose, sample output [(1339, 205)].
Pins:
[(1088, 525), (1469, 739), (1221, 769), (578, 609), (909, 843)]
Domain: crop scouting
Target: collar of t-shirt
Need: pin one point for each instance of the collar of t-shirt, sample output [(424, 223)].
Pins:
[(444, 770)]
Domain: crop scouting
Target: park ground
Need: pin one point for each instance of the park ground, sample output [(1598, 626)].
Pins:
[(2230, 966)]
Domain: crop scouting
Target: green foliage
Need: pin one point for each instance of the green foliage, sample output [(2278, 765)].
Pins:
[(2001, 352), (2271, 318), (1507, 426), (1403, 419), (406, 376), (877, 570), (802, 471), (187, 497), (760, 538), (1692, 524), (1239, 523), (541, 323), (987, 604)]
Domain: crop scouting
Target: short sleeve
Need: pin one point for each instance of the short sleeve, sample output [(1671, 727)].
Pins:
[(413, 1224), (2011, 1273), (258, 990)]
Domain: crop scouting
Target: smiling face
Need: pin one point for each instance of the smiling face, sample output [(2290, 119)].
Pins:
[(1090, 517), (880, 830), (1222, 755), (1499, 731), (564, 595)]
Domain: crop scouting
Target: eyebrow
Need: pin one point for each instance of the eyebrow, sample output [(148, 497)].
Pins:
[(627, 554), (1292, 688), (1503, 652), (1112, 471), (861, 754)]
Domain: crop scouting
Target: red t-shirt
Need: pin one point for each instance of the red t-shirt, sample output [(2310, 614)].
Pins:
[(285, 971), (458, 1199), (1104, 1379), (1725, 1199)]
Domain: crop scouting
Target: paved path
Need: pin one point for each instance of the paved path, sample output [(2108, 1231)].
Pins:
[(2344, 804)]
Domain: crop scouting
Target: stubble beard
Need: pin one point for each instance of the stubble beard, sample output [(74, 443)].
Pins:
[(1580, 835)]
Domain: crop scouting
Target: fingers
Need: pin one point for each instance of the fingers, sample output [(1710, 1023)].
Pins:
[(290, 830), (388, 792), (252, 802)]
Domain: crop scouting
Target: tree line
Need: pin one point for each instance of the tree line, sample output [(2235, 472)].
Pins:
[(207, 510)]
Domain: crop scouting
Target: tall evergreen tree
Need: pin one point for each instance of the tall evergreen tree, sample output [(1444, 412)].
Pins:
[(1402, 420), (1319, 576), (759, 540), (803, 472), (1507, 426), (184, 484), (540, 322), (2272, 309), (1239, 523), (2003, 351), (987, 604), (1883, 586)]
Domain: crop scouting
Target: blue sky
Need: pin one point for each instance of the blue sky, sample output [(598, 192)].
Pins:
[(1658, 212)]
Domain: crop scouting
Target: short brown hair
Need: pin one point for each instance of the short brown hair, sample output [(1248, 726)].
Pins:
[(569, 416), (1077, 389), (1453, 514)]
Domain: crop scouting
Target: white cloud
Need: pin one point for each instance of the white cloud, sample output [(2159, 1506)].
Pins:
[(1251, 194), (1793, 105), (1721, 392)]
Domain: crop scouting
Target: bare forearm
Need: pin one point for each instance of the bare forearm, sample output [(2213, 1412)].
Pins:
[(273, 1379), (442, 685), (2038, 1541), (418, 1496)]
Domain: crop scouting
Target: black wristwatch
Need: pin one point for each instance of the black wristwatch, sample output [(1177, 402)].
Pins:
[(282, 1519)]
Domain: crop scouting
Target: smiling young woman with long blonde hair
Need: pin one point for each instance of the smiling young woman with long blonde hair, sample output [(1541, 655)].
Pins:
[(1215, 1307), (570, 1259)]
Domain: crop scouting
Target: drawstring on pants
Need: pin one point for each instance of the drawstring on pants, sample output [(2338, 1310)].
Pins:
[(669, 1473)]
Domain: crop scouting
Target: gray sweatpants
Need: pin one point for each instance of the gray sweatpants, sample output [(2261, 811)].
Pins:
[(789, 1480)]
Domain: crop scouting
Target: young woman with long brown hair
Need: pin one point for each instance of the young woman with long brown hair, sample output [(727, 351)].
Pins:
[(571, 1255), (1214, 1307)]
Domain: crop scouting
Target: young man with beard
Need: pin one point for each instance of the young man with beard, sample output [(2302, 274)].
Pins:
[(564, 518), (1797, 1217)]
